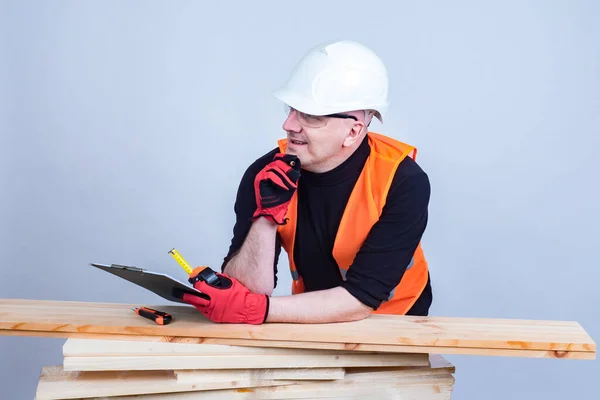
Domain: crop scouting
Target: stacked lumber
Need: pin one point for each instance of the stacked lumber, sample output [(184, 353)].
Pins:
[(113, 353), (120, 369)]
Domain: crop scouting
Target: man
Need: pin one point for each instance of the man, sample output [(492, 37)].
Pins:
[(348, 206)]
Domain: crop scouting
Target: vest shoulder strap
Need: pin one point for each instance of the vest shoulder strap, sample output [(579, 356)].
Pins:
[(390, 148)]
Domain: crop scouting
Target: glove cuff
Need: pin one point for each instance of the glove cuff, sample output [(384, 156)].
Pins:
[(268, 299), (257, 308), (276, 214)]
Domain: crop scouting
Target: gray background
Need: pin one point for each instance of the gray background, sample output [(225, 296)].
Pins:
[(127, 125)]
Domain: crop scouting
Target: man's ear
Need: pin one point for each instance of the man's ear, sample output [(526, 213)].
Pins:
[(355, 133)]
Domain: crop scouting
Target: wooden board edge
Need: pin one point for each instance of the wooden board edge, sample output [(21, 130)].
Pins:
[(502, 352)]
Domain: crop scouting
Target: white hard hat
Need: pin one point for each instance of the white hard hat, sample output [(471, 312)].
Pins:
[(337, 77)]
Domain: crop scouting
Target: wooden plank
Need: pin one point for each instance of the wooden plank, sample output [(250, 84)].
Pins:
[(423, 388), (95, 355), (56, 383), (244, 361), (227, 375), (439, 332), (437, 361), (238, 395), (571, 355), (473, 333), (88, 347), (437, 365), (226, 395)]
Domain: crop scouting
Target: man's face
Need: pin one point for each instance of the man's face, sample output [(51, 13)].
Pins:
[(317, 140)]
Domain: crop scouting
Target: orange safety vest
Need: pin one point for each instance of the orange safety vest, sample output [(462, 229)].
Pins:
[(364, 207)]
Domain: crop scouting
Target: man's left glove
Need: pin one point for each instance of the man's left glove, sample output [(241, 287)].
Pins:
[(230, 301), (274, 187)]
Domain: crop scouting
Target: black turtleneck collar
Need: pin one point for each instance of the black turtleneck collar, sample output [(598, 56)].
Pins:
[(349, 169)]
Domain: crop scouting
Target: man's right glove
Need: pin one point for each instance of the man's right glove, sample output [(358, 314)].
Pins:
[(229, 301), (274, 186)]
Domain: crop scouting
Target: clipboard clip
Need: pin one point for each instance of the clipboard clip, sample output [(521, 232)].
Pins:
[(127, 267)]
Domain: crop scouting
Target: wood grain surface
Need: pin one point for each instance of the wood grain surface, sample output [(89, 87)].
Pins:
[(440, 333), (57, 383), (572, 355)]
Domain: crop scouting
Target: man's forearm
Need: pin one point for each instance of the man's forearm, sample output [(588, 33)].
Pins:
[(253, 264), (330, 305)]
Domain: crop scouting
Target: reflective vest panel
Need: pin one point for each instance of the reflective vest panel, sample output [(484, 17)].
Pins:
[(362, 211)]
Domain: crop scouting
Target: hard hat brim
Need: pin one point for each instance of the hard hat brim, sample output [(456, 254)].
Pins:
[(307, 106)]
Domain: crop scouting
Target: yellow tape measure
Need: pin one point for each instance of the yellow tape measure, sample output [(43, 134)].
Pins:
[(184, 264)]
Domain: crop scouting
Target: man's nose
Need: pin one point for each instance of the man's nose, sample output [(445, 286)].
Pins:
[(291, 123)]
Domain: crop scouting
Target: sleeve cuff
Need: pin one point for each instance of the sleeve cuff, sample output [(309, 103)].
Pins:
[(361, 295)]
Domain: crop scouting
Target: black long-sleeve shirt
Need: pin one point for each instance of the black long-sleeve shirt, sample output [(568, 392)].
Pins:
[(322, 197)]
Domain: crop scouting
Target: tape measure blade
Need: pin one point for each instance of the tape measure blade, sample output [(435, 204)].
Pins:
[(181, 261)]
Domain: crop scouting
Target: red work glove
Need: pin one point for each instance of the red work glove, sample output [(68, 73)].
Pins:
[(230, 301), (274, 186)]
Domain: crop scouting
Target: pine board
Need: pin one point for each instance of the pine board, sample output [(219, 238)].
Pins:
[(419, 388), (112, 355), (145, 363), (429, 386), (571, 355), (227, 375), (96, 347), (56, 383), (439, 332)]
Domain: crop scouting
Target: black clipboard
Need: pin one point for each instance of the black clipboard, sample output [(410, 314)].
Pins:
[(161, 284)]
